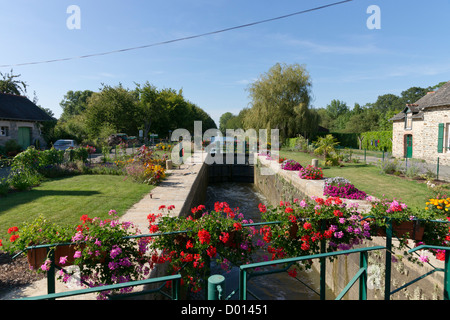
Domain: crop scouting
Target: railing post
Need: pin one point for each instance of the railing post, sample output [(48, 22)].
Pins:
[(447, 275), (51, 271), (242, 284), (387, 278), (323, 267), (363, 262)]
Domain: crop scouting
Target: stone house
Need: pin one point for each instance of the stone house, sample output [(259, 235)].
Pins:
[(20, 119), (422, 129)]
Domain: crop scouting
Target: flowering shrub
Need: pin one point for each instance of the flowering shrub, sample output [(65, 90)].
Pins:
[(145, 167), (304, 224), (291, 165), (106, 254), (311, 173), (103, 250), (37, 232), (434, 233), (219, 234), (340, 187)]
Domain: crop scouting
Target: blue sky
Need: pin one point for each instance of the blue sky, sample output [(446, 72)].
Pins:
[(345, 59)]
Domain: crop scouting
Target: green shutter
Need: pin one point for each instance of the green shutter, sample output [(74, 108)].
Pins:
[(441, 138)]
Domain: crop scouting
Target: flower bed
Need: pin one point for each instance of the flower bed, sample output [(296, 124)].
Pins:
[(342, 188), (219, 234), (291, 165), (311, 172), (304, 224)]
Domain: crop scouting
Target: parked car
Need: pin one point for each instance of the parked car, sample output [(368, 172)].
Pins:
[(64, 144)]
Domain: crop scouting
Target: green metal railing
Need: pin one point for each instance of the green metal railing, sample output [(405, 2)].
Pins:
[(361, 275), (245, 273)]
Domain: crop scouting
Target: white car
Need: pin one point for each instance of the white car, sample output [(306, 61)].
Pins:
[(64, 144)]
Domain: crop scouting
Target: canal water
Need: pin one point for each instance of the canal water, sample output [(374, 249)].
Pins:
[(268, 287)]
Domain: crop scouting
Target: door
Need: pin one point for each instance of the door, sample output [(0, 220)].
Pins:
[(408, 146), (24, 138)]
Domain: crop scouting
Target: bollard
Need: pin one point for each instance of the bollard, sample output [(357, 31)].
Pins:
[(315, 163), (168, 164), (216, 287)]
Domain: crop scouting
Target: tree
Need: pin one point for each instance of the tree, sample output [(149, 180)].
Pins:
[(223, 121), (280, 100), (74, 103), (113, 107), (10, 85)]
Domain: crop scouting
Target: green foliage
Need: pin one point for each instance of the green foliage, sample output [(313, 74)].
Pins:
[(326, 145), (280, 99), (383, 138)]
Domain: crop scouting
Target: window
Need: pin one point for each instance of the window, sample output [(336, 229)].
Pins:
[(408, 120), (4, 131)]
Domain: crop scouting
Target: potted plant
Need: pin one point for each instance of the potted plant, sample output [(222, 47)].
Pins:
[(107, 252), (38, 232), (405, 222), (189, 243), (304, 224)]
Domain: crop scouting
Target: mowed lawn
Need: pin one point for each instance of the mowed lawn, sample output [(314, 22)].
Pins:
[(367, 178), (64, 200)]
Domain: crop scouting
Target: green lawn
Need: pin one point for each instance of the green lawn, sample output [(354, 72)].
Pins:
[(367, 178), (65, 200)]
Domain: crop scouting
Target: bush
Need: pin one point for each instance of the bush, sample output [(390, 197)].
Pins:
[(23, 179), (389, 167)]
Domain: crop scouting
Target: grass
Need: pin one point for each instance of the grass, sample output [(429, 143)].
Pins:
[(367, 178), (64, 200)]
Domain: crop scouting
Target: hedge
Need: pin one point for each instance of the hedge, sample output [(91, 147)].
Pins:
[(377, 140)]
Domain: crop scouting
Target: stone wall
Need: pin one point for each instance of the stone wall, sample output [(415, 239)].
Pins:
[(425, 136), (286, 185), (13, 130)]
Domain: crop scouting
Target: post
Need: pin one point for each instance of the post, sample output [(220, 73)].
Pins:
[(365, 151), (447, 275), (323, 267), (437, 169), (51, 271), (216, 287), (363, 262), (387, 278)]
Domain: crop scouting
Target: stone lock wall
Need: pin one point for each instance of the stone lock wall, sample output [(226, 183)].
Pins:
[(286, 185)]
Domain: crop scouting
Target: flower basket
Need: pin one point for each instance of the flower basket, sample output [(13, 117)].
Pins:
[(404, 229), (36, 257)]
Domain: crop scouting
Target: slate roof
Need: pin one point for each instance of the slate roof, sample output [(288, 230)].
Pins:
[(438, 98), (14, 107)]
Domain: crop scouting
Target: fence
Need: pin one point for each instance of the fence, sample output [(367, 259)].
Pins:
[(215, 289)]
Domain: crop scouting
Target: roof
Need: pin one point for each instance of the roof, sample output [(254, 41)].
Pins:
[(439, 98), (436, 99), (14, 107)]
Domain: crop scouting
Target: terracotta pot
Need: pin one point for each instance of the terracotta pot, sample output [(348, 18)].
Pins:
[(412, 229), (36, 257)]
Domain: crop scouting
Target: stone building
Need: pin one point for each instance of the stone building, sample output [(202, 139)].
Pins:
[(20, 120), (422, 129)]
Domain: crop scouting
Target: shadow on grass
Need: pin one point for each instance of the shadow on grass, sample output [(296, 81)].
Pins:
[(22, 197)]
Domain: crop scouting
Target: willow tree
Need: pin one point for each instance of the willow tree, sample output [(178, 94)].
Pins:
[(280, 100)]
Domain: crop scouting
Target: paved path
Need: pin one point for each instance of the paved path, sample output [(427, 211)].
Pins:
[(174, 190)]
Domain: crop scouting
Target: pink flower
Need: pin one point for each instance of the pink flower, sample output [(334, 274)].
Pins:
[(77, 254), (63, 260)]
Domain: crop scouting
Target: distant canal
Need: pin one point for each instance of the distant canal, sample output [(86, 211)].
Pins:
[(269, 287)]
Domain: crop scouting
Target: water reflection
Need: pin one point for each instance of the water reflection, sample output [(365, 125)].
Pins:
[(269, 287)]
